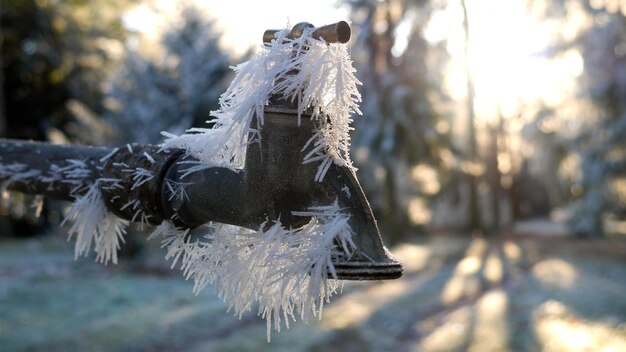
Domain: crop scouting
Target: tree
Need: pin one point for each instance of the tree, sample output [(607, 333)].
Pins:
[(473, 216), (54, 53), (595, 134), (175, 89), (601, 144), (54, 57), (400, 128)]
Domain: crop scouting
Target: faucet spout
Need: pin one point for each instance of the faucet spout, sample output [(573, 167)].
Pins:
[(274, 184), (371, 260)]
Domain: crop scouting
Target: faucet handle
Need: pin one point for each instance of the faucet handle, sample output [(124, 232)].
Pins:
[(339, 32)]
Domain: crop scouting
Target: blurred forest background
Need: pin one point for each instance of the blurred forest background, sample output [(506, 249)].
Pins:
[(493, 135)]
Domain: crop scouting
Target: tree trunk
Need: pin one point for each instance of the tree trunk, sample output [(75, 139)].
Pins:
[(474, 218)]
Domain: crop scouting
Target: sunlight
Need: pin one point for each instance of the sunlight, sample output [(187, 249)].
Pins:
[(345, 313), (473, 256), (556, 272), (354, 308), (458, 287), (560, 329), (491, 316), (512, 251), (494, 271), (502, 41), (472, 327), (419, 212), (451, 332), (469, 265), (507, 56), (413, 257), (464, 281), (426, 178)]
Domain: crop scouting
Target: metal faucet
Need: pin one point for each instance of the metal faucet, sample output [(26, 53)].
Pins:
[(273, 183)]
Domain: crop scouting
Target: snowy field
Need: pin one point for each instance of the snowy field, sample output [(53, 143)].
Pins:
[(458, 293)]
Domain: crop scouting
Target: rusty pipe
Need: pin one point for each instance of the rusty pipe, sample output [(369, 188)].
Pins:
[(339, 32)]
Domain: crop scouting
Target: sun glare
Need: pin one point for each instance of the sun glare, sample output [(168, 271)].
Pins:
[(508, 57), (507, 50)]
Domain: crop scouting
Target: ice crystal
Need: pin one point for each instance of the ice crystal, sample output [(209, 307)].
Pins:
[(149, 157), (318, 76), (15, 172), (140, 176), (289, 273), (94, 226), (176, 190), (74, 173)]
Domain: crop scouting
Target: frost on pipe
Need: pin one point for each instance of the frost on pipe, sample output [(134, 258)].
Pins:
[(280, 151), (273, 176), (59, 171)]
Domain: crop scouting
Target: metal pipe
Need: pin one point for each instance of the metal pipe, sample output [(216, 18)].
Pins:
[(339, 32), (273, 184), (130, 177), (137, 181), (58, 171)]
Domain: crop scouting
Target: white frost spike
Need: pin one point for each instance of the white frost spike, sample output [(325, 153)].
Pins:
[(323, 83), (150, 158), (74, 173), (176, 190), (95, 225), (8, 170), (10, 173), (140, 176), (284, 271)]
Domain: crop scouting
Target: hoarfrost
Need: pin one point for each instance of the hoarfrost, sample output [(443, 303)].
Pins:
[(285, 271), (95, 226), (317, 76)]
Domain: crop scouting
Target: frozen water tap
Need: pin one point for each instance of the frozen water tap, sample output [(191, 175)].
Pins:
[(273, 184)]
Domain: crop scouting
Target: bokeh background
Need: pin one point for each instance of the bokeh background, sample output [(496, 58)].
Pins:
[(492, 148)]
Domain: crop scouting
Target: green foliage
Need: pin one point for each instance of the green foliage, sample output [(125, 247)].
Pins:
[(52, 53)]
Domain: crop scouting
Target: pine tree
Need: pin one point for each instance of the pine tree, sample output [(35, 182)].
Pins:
[(174, 90), (55, 55), (601, 144), (594, 127)]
